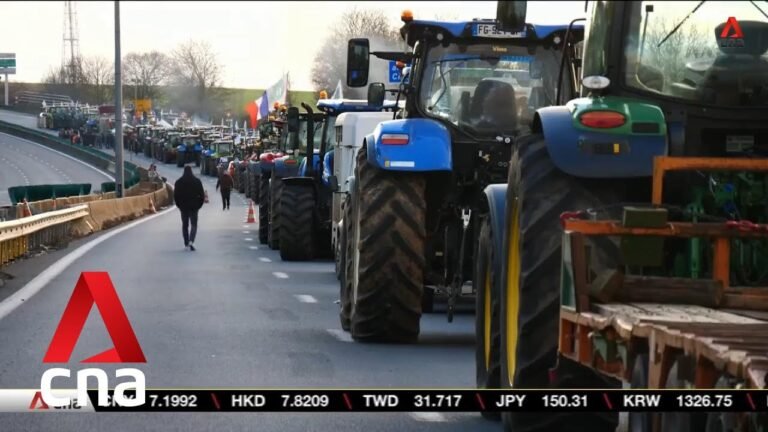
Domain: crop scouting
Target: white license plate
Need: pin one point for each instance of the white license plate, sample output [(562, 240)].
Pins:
[(490, 31)]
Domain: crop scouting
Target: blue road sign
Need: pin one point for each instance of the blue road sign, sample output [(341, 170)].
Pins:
[(394, 72)]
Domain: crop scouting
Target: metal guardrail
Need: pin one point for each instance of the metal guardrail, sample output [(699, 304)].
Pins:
[(17, 237)]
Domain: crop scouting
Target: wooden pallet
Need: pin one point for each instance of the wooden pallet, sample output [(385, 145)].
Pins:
[(720, 341)]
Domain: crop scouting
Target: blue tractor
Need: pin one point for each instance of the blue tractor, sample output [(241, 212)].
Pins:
[(189, 150), (470, 93), (307, 198)]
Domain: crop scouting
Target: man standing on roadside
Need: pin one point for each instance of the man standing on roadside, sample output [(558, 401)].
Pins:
[(189, 196)]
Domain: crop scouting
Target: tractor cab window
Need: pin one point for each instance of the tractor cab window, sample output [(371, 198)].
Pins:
[(302, 136), (711, 53), (485, 87)]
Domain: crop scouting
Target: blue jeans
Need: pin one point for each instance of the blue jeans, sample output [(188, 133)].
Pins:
[(188, 216)]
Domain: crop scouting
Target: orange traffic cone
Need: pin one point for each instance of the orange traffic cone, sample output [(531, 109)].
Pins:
[(251, 218)]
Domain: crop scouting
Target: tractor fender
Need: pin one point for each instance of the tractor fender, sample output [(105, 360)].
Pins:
[(282, 169), (428, 147), (583, 152), (496, 198)]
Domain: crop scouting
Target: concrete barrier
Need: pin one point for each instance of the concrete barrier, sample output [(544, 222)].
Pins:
[(108, 213)]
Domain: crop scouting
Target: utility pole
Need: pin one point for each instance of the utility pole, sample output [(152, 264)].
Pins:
[(119, 172)]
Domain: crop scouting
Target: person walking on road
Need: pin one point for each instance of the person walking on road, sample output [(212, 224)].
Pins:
[(189, 196), (226, 183)]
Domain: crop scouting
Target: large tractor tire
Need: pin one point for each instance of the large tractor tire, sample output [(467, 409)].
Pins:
[(348, 249), (487, 334), (263, 209), (254, 188), (297, 205), (529, 302), (275, 192), (390, 265)]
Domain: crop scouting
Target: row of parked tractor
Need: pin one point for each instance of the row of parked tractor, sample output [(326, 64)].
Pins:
[(530, 170), (208, 147)]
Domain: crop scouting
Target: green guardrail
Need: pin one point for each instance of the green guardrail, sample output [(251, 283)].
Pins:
[(88, 155), (47, 191)]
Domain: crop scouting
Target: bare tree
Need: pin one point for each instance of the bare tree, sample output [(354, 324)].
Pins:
[(55, 75), (146, 72), (194, 65), (99, 73), (330, 62), (688, 44)]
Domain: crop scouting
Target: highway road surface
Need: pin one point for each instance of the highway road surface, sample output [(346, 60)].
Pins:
[(24, 163), (230, 314)]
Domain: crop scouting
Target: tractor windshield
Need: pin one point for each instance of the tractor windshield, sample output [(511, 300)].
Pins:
[(707, 52), (318, 135), (488, 87)]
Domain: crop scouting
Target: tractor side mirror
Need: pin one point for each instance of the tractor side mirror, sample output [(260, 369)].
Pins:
[(358, 58), (510, 15), (376, 94), (293, 119)]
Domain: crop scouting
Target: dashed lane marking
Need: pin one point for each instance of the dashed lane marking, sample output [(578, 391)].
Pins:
[(253, 247), (340, 335), (280, 275), (265, 259), (305, 298), (246, 232), (248, 239)]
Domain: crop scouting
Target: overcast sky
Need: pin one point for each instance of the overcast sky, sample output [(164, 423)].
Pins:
[(255, 41)]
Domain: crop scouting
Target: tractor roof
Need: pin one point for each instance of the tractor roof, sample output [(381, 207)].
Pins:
[(339, 106), (463, 29)]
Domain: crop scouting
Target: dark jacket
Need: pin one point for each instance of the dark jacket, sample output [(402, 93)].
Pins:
[(188, 192), (226, 182)]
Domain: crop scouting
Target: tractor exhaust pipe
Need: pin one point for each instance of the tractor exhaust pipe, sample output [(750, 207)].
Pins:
[(310, 139)]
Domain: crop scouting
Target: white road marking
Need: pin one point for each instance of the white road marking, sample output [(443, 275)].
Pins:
[(246, 232), (305, 298), (253, 247), (280, 275), (264, 259), (340, 335), (248, 239), (428, 416), (41, 280)]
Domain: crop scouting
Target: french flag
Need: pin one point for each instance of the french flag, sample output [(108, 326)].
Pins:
[(258, 109)]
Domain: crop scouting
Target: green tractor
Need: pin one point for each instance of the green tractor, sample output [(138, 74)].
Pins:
[(219, 150), (638, 200), (169, 150)]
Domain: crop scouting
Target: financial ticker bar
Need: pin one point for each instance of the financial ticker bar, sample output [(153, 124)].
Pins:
[(381, 400)]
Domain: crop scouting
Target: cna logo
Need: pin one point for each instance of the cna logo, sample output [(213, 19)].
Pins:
[(93, 288), (731, 35)]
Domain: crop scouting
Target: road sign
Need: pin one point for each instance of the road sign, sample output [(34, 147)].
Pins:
[(394, 73), (143, 105), (8, 63)]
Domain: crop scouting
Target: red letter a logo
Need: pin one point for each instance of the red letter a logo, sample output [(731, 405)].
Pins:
[(732, 24), (38, 398), (95, 287)]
